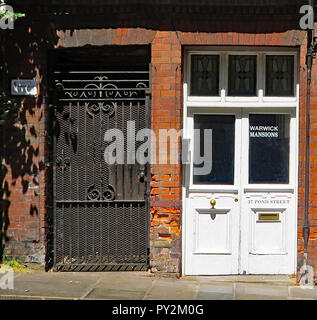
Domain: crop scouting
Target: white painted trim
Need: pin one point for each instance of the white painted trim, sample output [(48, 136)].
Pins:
[(191, 112), (269, 190), (292, 165), (260, 100), (195, 189), (248, 104)]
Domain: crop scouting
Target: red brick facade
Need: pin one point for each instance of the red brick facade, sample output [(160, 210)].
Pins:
[(26, 182)]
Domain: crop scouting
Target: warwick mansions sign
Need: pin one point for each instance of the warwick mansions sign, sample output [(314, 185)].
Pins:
[(264, 131)]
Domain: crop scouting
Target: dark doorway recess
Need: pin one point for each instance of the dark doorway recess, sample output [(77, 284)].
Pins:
[(101, 210)]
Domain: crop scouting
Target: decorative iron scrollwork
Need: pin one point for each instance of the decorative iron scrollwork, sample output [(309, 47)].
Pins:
[(94, 194), (59, 161), (63, 162), (94, 108), (109, 193), (98, 90)]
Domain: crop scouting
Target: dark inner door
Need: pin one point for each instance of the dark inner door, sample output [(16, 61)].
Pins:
[(101, 210)]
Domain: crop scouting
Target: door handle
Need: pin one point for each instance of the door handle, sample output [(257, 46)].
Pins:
[(213, 203)]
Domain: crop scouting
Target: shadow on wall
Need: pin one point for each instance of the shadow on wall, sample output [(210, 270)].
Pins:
[(22, 55)]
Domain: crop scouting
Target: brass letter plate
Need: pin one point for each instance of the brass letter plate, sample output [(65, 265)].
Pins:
[(269, 216)]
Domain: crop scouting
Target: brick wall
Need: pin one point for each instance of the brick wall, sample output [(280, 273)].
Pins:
[(23, 148), (166, 193), (30, 201)]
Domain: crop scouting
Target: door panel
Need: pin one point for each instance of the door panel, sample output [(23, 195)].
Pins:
[(213, 238), (267, 244), (212, 231)]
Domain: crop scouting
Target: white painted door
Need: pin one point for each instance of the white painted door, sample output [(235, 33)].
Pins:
[(268, 192), (212, 234), (241, 217)]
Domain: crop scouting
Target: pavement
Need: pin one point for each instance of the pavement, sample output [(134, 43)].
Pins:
[(146, 286)]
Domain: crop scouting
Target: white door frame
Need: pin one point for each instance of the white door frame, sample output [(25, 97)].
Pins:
[(219, 105)]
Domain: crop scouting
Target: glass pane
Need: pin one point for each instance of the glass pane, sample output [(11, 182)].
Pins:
[(223, 136), (279, 76), (204, 75), (242, 76), (269, 148)]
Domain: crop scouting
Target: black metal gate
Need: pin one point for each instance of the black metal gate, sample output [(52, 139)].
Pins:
[(101, 210)]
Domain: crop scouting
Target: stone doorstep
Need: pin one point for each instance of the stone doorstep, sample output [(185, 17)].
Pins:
[(242, 290), (252, 279)]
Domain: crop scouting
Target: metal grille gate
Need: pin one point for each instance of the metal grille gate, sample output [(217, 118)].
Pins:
[(101, 211)]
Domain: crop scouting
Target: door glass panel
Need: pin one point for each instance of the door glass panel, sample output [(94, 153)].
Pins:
[(279, 76), (204, 75), (269, 148), (242, 76), (223, 138)]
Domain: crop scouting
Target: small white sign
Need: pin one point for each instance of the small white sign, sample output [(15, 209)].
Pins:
[(24, 87)]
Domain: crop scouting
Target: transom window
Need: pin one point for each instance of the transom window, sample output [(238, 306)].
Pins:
[(230, 76), (248, 98), (279, 75), (205, 75), (242, 75)]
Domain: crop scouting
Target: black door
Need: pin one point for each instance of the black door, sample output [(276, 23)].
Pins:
[(101, 209)]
